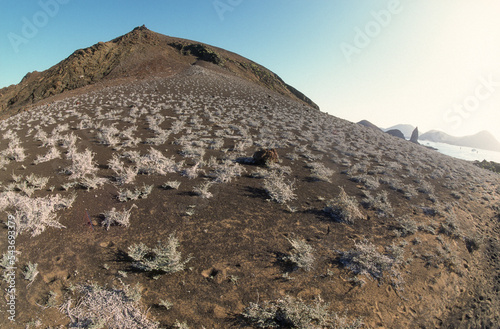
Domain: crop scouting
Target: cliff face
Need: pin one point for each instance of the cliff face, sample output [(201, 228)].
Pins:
[(138, 54)]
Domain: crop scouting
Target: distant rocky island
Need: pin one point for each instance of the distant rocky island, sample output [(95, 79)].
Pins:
[(396, 131), (483, 140), (405, 129)]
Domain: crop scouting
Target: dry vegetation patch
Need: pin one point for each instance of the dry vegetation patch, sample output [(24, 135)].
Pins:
[(99, 307)]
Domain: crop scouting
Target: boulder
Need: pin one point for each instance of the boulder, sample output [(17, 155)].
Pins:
[(265, 156)]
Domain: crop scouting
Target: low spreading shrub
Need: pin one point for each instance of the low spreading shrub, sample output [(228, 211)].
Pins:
[(100, 307), (226, 171), (290, 312), (30, 272), (113, 217), (15, 151), (344, 208), (34, 214), (406, 226), (365, 259), (52, 154), (163, 258), (380, 203), (302, 255), (124, 175), (174, 185), (320, 172), (83, 164), (202, 190), (153, 163), (278, 188), (137, 193)]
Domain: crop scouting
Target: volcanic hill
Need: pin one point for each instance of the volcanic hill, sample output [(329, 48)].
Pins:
[(130, 190), (138, 54)]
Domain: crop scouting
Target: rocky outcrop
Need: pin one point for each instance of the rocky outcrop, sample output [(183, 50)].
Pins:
[(200, 51), (414, 136)]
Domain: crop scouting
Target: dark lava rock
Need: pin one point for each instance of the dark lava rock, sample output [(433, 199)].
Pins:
[(396, 133), (414, 136), (265, 157)]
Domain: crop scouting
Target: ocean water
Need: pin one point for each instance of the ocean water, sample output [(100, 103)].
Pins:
[(463, 152)]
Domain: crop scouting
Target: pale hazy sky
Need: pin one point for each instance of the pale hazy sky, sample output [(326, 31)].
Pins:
[(435, 64)]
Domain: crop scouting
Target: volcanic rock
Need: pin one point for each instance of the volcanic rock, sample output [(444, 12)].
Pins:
[(396, 133), (414, 136), (265, 157)]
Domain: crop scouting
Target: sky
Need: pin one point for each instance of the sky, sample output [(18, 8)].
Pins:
[(431, 64)]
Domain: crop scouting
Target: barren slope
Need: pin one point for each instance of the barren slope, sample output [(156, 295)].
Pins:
[(413, 243)]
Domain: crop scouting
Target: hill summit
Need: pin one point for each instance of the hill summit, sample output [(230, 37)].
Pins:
[(138, 54)]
